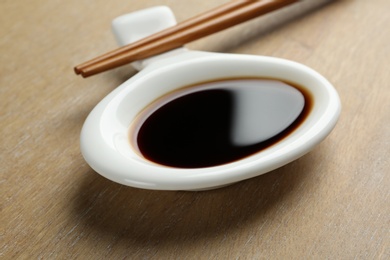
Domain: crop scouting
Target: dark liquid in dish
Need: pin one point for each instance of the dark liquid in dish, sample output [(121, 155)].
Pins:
[(195, 130)]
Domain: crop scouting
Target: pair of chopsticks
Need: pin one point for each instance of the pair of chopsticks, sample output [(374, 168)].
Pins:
[(220, 18)]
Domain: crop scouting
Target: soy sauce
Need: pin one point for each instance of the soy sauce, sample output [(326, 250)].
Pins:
[(194, 129)]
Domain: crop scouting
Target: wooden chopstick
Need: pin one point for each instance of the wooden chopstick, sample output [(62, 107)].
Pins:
[(220, 10), (234, 13)]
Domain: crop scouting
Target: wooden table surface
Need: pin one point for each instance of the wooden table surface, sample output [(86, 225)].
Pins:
[(333, 203)]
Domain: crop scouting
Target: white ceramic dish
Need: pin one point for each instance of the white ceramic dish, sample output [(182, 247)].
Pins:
[(105, 140)]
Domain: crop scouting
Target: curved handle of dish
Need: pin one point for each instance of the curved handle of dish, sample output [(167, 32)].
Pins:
[(134, 26)]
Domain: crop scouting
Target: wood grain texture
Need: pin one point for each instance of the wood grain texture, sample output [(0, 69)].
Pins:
[(332, 203)]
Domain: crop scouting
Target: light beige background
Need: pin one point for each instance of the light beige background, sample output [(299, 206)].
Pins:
[(332, 203)]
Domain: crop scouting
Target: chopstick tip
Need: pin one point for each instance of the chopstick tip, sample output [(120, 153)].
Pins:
[(77, 70)]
